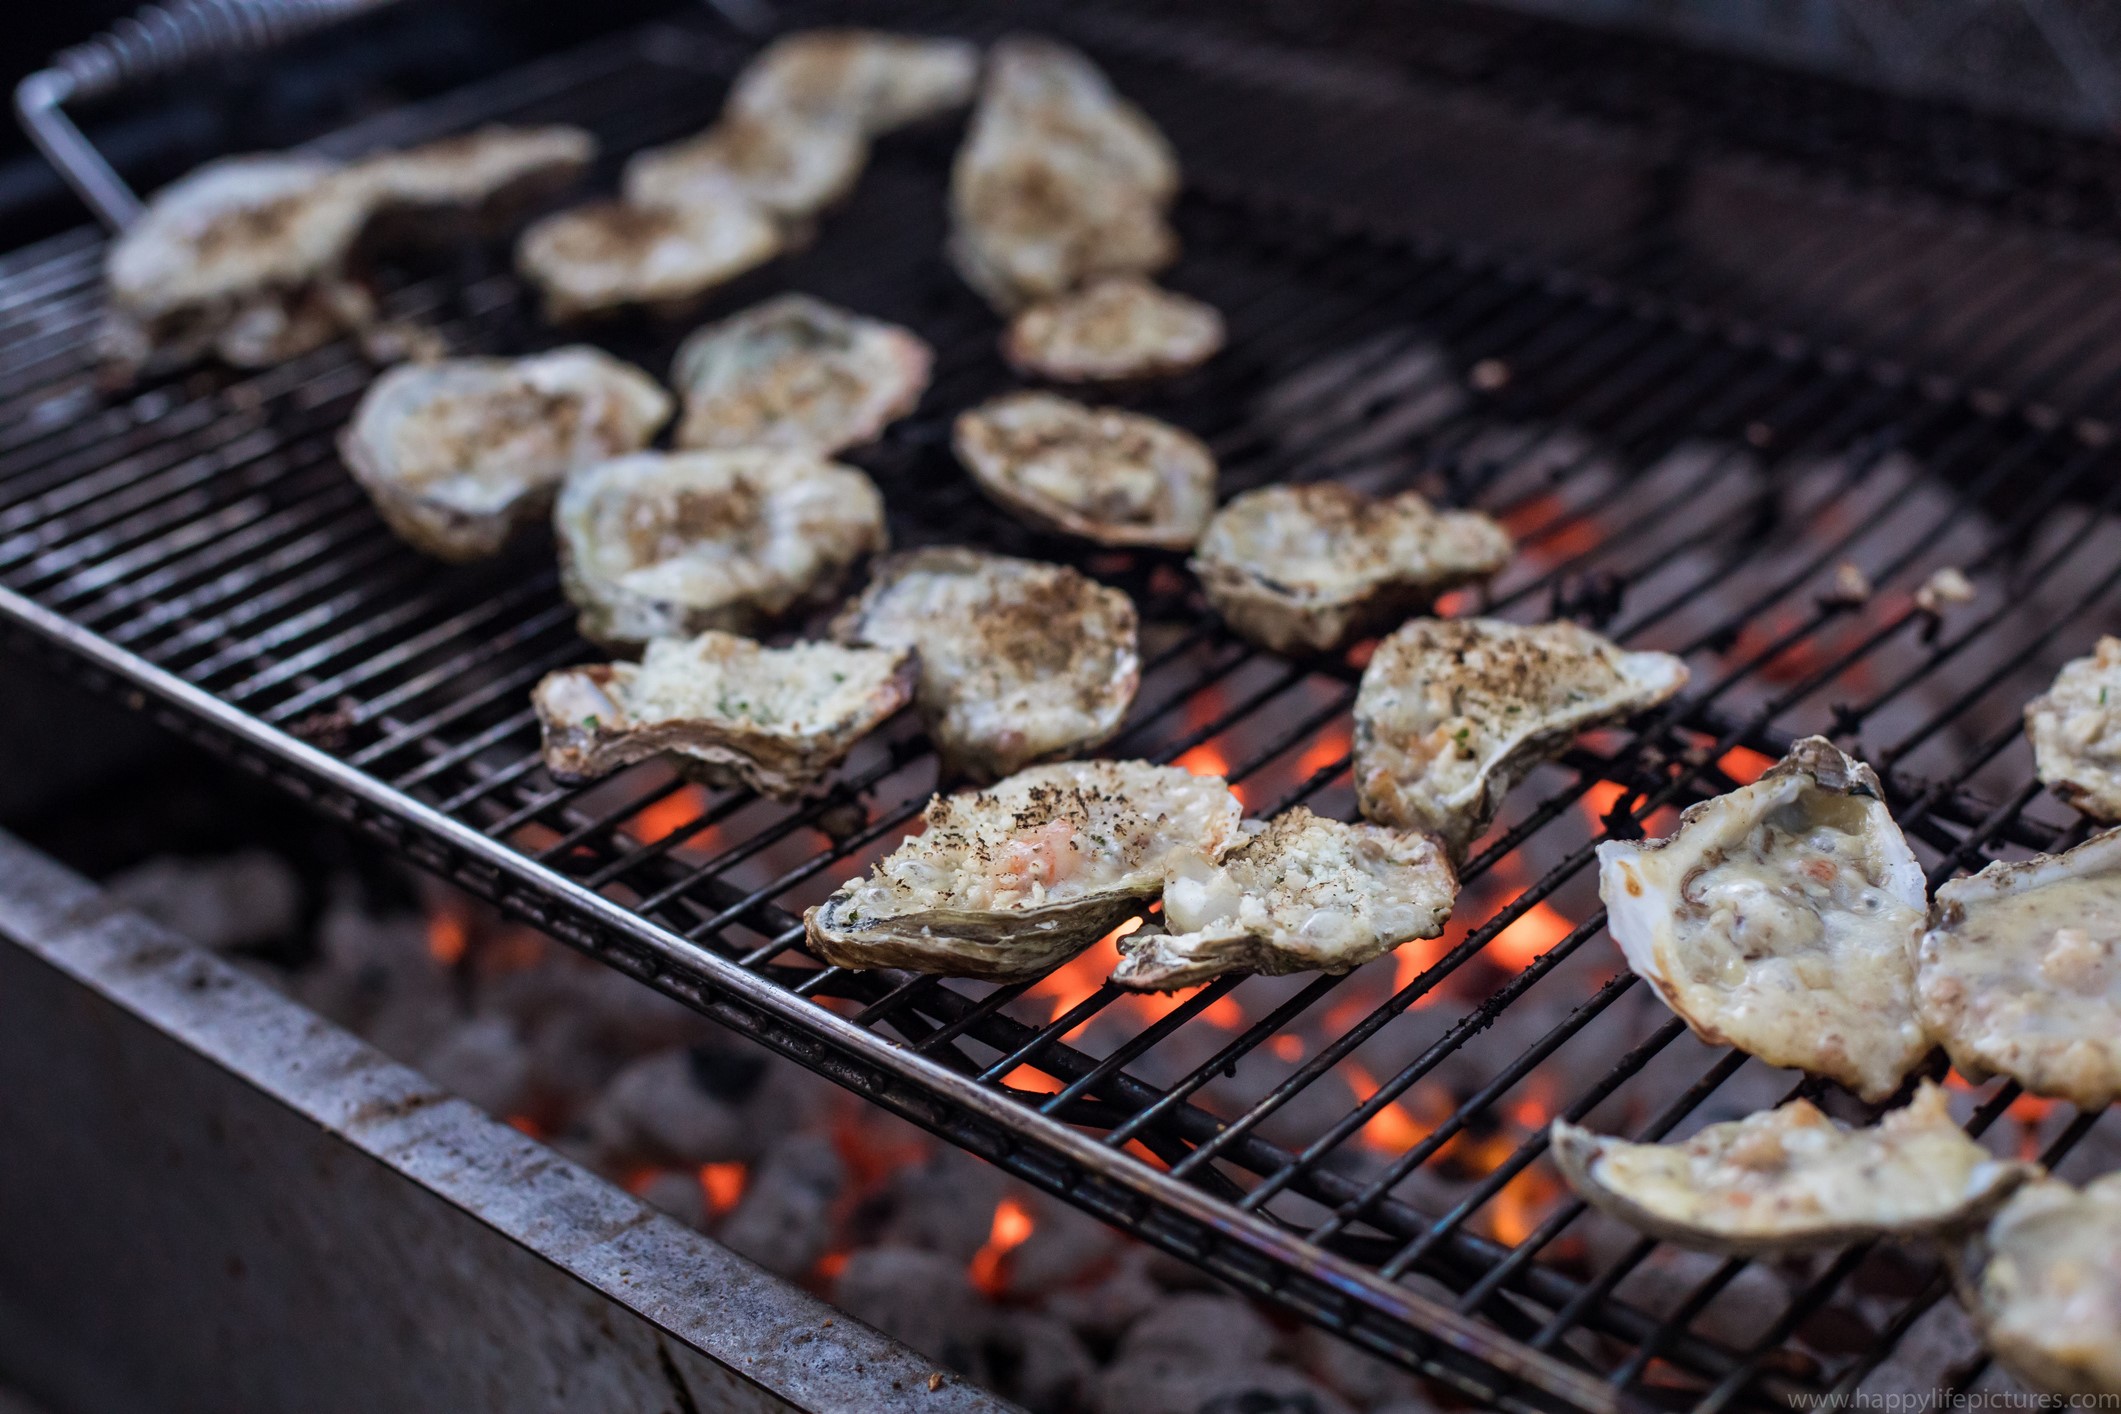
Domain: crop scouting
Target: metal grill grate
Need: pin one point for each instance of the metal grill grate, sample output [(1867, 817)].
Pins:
[(1368, 1149)]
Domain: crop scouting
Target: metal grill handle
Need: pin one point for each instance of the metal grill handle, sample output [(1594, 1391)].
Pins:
[(159, 40)]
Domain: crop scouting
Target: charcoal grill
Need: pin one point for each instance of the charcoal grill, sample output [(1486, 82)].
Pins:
[(1679, 472)]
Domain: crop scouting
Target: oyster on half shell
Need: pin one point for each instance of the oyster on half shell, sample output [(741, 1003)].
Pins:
[(1306, 893), (2044, 1285), (1008, 881), (789, 168), (459, 455), (1312, 568), (2020, 972), (1791, 1178), (1115, 329), (870, 80), (1782, 919), (1453, 712), (658, 545), (609, 254), (2075, 729), (777, 719)]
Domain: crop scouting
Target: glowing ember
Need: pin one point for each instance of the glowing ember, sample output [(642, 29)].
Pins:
[(1393, 1129), (1599, 800), (1207, 760), (1287, 1048), (447, 937), (1224, 1012), (1012, 1224), (1417, 956), (1451, 604), (1330, 750), (1026, 1077), (1536, 932), (1068, 984), (830, 1266), (1743, 765), (669, 815), (524, 1124), (1546, 518), (723, 1184)]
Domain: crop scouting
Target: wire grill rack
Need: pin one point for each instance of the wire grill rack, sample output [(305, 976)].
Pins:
[(1366, 1150)]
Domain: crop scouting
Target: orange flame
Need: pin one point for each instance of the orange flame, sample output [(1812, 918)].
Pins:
[(723, 1184), (830, 1266), (447, 938), (669, 815), (1328, 750), (1012, 1224), (1287, 1048), (1743, 765), (1534, 933), (1393, 1129), (1225, 1013), (1208, 760)]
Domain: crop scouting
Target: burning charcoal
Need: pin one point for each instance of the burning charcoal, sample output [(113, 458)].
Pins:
[(1103, 1311), (374, 976), (1923, 1359), (677, 1192), (655, 1110), (920, 1298), (1066, 1247), (1152, 1384), (1206, 1330), (1361, 1378), (238, 901), (1737, 1315), (485, 1061), (945, 1205), (1037, 1361), (784, 1220)]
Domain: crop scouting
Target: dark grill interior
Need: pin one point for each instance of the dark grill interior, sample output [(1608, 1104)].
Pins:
[(1367, 1149)]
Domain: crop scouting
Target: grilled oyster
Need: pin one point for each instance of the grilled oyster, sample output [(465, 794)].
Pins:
[(1115, 328), (796, 372), (1114, 477), (1305, 893), (1006, 882), (788, 167), (1059, 181), (1782, 919), (459, 455), (495, 169), (2044, 1285), (1313, 568), (664, 545), (1792, 1178), (867, 79), (777, 719), (2020, 972), (2076, 734), (614, 253), (1453, 712), (1020, 661)]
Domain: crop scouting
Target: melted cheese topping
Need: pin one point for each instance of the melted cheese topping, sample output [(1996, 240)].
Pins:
[(2048, 1297), (2076, 732)]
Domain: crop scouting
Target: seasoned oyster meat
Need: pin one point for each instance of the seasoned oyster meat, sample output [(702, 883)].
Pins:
[(1114, 477), (1782, 919), (1453, 712), (1116, 328), (610, 254), (789, 168), (2044, 1285), (2076, 732), (666, 545), (1792, 1178), (459, 455), (1313, 568), (1004, 883), (493, 166), (2020, 972), (797, 372), (1020, 661), (777, 719), (869, 80), (1304, 894), (1059, 180)]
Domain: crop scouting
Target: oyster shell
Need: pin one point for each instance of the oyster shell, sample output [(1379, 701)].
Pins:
[(1020, 661), (1116, 328), (871, 80), (1114, 477), (1305, 893), (1782, 919), (659, 545), (2020, 972), (1008, 881), (2075, 730), (459, 455), (1792, 1178), (1453, 712), (777, 719), (2044, 1285), (791, 168), (797, 372), (613, 253), (1059, 180), (1313, 568)]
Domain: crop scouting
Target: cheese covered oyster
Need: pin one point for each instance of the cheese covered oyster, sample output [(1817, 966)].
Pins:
[(1782, 919), (869, 80), (1116, 328), (613, 253), (2020, 972), (1020, 661), (1005, 882), (459, 455), (1792, 1178), (1114, 477), (1305, 893), (787, 167), (777, 719), (659, 545), (2044, 1285), (1313, 568), (1454, 712), (1059, 181), (797, 372), (2075, 730)]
